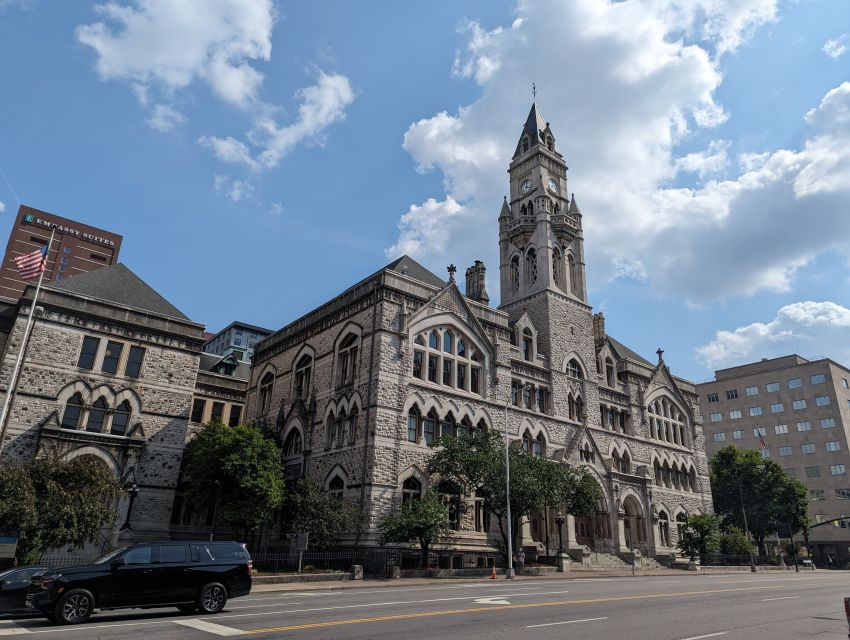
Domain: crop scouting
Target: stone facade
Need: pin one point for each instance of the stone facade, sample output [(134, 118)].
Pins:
[(109, 382), (359, 386)]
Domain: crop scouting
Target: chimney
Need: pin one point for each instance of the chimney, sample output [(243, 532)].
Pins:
[(475, 287), (599, 329)]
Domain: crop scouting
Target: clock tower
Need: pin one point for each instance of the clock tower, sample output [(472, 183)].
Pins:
[(541, 245)]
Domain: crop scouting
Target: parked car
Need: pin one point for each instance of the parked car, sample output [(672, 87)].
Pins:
[(14, 584), (192, 576)]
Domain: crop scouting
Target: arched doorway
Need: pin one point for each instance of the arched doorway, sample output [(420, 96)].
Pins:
[(664, 529), (633, 523)]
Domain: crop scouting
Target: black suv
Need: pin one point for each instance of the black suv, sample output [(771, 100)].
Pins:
[(191, 576)]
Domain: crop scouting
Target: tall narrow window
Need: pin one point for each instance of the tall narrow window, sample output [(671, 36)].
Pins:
[(432, 368), (266, 386), (73, 408), (88, 353), (538, 446), (531, 266), (120, 419), (417, 364), (336, 487), (134, 362), (111, 357), (609, 371), (574, 369), (412, 425), (348, 359), (198, 410), (447, 372), (352, 424), (527, 344), (292, 444), (515, 272), (235, 415), (97, 415), (411, 490), (217, 411), (302, 376), (571, 265), (448, 342), (556, 261), (461, 376), (429, 428)]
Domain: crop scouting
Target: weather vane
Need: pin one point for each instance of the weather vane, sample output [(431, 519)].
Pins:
[(534, 91)]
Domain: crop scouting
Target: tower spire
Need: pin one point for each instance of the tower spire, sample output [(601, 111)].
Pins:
[(533, 92)]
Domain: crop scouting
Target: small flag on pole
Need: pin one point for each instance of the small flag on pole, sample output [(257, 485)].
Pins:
[(31, 265), (763, 443)]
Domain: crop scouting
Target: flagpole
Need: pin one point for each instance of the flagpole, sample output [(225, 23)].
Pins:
[(13, 383)]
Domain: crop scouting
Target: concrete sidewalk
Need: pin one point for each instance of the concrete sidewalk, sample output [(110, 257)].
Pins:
[(414, 582)]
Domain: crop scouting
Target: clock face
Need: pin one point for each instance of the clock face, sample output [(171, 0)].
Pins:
[(553, 185), (525, 187)]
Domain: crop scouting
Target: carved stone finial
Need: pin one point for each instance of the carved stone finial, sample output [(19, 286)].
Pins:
[(452, 270), (660, 353)]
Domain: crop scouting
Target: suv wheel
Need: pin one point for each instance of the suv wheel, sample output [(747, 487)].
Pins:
[(74, 607), (213, 597)]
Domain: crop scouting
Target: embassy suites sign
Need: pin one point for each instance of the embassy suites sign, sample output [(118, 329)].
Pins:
[(31, 219)]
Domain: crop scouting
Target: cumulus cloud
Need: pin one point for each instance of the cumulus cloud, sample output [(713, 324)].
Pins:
[(634, 80), (837, 47), (160, 47), (164, 118), (813, 329), (235, 190)]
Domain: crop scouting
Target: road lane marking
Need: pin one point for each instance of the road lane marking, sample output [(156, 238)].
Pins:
[(708, 635), (210, 627), (11, 628), (552, 624), (532, 605), (782, 598), (493, 600)]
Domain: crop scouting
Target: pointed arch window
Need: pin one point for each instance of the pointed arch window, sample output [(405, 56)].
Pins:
[(531, 208), (531, 266), (556, 262), (331, 431), (448, 426), (448, 341), (449, 360), (681, 525), (97, 416), (413, 425), (411, 490), (303, 372), (574, 369), (348, 350), (515, 273), (571, 265), (429, 427), (524, 145), (120, 419), (526, 442), (336, 487), (352, 424), (434, 340), (550, 144), (266, 385), (664, 529), (538, 446), (73, 409), (609, 371), (527, 344), (292, 446)]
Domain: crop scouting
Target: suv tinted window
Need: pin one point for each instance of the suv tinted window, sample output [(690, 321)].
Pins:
[(139, 555), (172, 553), (232, 551)]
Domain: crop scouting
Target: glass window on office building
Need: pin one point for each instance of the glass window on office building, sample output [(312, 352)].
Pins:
[(777, 407), (784, 451), (817, 495), (791, 473), (755, 411), (713, 397), (780, 428), (759, 432), (807, 448), (795, 383), (765, 454), (737, 435), (833, 445), (752, 391), (772, 387), (837, 469), (734, 414), (818, 378), (720, 437), (827, 423), (797, 405), (716, 417), (805, 425), (813, 472), (842, 494), (732, 394), (822, 401)]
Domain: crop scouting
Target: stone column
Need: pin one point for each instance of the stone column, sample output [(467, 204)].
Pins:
[(571, 542)]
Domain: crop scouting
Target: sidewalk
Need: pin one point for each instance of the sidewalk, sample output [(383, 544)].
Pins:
[(371, 582)]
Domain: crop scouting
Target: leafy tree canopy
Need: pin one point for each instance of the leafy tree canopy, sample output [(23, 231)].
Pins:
[(248, 465), (705, 540), (425, 520), (52, 503), (309, 509), (774, 501)]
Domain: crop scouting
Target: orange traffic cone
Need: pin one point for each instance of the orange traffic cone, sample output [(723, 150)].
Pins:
[(493, 573)]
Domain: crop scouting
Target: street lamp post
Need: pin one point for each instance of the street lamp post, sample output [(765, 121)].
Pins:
[(793, 549), (690, 533), (559, 519), (215, 508), (132, 492), (509, 574)]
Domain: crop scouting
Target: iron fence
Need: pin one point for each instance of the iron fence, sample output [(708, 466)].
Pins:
[(373, 561), (720, 560)]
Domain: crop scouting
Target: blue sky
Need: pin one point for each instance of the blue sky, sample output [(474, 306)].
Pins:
[(261, 157)]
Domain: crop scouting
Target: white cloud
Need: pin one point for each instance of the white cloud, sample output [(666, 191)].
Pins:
[(837, 47), (277, 209), (2, 206), (164, 118), (628, 83), (236, 190), (160, 47), (811, 329), (19, 4)]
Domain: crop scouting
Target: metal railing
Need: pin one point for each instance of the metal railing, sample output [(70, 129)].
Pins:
[(720, 560), (373, 561)]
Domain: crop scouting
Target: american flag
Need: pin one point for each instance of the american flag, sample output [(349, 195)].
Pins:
[(763, 443), (31, 265)]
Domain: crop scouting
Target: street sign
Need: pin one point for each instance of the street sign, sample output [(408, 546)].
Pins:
[(8, 545), (301, 541)]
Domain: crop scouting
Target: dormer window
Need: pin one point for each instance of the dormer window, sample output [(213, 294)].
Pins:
[(524, 145), (448, 360), (550, 144), (527, 345)]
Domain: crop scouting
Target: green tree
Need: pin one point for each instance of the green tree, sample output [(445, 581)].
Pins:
[(325, 517), (705, 540), (774, 502), (51, 503), (476, 463), (733, 542), (248, 466), (425, 520)]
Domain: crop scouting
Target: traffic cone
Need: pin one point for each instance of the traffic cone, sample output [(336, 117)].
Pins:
[(493, 573)]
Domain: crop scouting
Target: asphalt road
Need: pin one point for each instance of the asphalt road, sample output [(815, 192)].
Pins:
[(686, 607)]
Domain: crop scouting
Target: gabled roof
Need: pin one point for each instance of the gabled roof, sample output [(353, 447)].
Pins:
[(116, 283), (624, 352), (409, 267)]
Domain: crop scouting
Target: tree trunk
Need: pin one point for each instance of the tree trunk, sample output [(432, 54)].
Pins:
[(760, 542), (424, 545), (504, 539)]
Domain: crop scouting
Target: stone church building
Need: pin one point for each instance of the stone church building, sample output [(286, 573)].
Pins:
[(361, 385)]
